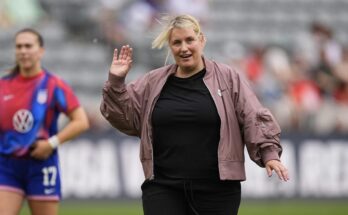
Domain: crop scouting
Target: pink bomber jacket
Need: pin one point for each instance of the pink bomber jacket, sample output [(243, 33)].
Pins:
[(244, 121)]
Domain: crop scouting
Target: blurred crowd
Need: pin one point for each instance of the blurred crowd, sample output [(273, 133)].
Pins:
[(305, 83), (20, 12)]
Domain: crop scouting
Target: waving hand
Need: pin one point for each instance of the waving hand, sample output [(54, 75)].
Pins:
[(122, 62)]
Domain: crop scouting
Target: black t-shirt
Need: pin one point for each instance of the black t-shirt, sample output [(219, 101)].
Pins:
[(186, 130)]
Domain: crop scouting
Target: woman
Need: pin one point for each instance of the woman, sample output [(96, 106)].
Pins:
[(193, 118), (31, 99)]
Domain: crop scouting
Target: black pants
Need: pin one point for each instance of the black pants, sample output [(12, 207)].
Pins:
[(191, 197)]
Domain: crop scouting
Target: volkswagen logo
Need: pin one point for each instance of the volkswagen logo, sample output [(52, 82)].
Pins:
[(23, 121)]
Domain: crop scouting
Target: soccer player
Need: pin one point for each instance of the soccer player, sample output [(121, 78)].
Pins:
[(31, 99)]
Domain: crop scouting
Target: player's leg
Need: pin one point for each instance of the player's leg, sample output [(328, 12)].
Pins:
[(11, 190), (10, 202), (38, 207), (43, 188)]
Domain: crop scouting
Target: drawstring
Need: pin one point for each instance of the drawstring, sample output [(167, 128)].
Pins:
[(189, 196)]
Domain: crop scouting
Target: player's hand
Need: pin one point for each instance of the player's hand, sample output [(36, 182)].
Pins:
[(122, 62), (41, 150), (279, 168)]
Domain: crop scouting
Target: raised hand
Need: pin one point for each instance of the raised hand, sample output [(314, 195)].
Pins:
[(122, 63)]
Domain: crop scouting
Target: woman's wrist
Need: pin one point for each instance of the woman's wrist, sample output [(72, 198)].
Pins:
[(54, 141)]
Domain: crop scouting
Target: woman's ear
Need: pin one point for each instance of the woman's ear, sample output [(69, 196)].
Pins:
[(202, 38), (42, 52)]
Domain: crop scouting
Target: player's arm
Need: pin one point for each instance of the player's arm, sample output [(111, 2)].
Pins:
[(78, 123)]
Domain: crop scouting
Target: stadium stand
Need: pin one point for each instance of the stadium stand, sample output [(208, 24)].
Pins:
[(79, 50)]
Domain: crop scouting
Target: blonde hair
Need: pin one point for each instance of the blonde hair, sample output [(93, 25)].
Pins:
[(180, 21)]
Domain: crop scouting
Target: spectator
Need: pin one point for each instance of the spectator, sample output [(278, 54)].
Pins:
[(23, 12)]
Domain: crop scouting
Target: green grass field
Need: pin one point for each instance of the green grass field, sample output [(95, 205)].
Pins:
[(278, 207)]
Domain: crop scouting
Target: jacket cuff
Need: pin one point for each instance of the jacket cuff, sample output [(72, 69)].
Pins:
[(116, 80), (270, 153)]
